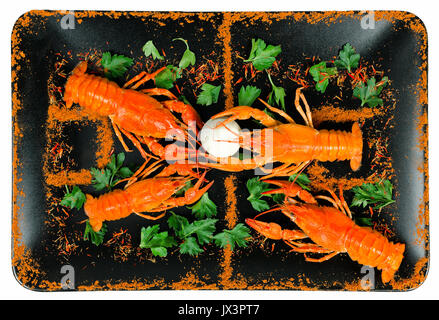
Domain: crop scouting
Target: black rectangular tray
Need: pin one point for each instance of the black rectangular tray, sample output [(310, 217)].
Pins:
[(47, 238)]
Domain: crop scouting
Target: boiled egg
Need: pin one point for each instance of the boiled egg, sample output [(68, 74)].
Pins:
[(221, 141)]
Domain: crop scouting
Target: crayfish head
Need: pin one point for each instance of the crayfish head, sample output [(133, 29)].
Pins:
[(270, 230)]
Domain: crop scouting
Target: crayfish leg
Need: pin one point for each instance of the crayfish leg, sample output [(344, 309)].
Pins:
[(290, 189), (141, 78), (306, 116), (278, 111), (119, 135), (147, 216), (244, 113), (159, 92), (188, 113), (180, 169), (137, 144), (322, 259), (307, 247)]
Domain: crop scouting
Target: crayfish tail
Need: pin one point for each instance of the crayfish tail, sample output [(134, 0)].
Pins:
[(393, 262), (357, 139), (370, 248), (339, 145), (113, 205)]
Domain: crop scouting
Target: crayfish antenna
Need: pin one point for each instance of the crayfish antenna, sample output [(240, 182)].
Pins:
[(276, 208)]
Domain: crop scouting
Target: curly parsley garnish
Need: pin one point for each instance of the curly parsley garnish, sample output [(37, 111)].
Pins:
[(377, 194)]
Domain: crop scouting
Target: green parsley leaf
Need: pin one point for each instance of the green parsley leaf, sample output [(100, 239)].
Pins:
[(247, 95), (188, 56), (261, 55), (348, 59), (369, 94), (125, 172), (190, 246), (74, 199), (166, 78), (150, 49), (204, 208), (184, 99), (100, 178), (209, 94), (277, 95), (96, 237), (108, 177), (177, 223), (302, 180), (115, 66), (321, 74), (378, 194), (237, 236), (255, 188), (157, 242), (362, 221), (204, 230)]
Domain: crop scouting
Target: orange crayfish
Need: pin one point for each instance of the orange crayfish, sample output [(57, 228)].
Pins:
[(136, 114), (148, 195), (292, 144), (331, 229)]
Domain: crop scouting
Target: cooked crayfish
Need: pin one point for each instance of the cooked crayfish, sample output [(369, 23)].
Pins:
[(136, 114), (291, 144), (147, 195), (332, 231)]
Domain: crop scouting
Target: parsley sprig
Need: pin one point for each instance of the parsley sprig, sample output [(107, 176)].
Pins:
[(348, 58), (95, 237), (188, 56), (377, 194), (321, 75), (115, 65), (261, 55), (204, 208), (209, 94), (168, 76), (255, 187), (239, 236), (277, 94), (369, 93), (108, 177), (193, 234), (150, 238), (247, 95), (149, 49), (74, 198)]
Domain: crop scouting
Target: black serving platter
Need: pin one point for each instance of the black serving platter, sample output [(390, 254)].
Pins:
[(40, 39)]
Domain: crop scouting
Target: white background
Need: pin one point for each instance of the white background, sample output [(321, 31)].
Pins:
[(11, 10)]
